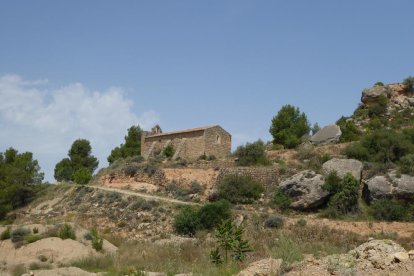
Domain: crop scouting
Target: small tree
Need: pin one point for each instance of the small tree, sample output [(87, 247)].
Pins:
[(252, 154), (289, 126), (230, 240), (80, 158), (67, 232), (96, 239), (131, 147), (82, 176), (20, 179)]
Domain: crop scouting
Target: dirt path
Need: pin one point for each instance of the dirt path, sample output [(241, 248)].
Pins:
[(144, 195), (403, 229)]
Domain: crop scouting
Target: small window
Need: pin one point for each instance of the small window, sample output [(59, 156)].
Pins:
[(218, 139)]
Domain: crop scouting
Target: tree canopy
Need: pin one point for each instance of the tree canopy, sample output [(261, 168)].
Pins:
[(131, 147), (20, 177), (80, 159), (289, 126)]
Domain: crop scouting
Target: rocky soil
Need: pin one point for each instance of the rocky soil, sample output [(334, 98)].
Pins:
[(376, 257)]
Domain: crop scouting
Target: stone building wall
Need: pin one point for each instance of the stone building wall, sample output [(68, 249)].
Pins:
[(190, 144), (217, 142)]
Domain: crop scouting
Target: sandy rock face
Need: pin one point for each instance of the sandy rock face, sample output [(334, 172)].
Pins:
[(327, 135), (266, 267), (343, 166), (377, 254), (305, 188), (376, 257), (53, 248)]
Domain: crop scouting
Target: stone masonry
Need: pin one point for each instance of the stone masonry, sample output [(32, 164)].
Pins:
[(188, 144)]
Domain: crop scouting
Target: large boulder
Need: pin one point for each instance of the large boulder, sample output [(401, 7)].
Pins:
[(265, 267), (327, 135), (401, 187), (343, 166), (305, 189), (372, 94)]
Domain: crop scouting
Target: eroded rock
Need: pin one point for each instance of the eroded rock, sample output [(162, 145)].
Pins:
[(372, 94), (327, 135), (401, 187), (305, 189), (343, 166)]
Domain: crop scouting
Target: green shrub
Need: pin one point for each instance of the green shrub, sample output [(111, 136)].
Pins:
[(211, 214), (409, 81), (379, 83), (289, 126), (357, 151), (282, 200), (344, 195), (131, 170), (32, 238), (19, 234), (406, 164), (150, 169), (195, 188), (67, 232), (389, 210), (239, 189), (5, 235), (168, 151), (35, 230), (96, 239), (274, 221), (379, 107), (350, 131), (252, 154), (187, 221), (382, 146), (82, 176)]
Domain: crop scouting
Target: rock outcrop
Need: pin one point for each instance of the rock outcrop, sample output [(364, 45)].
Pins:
[(327, 135), (372, 94), (305, 189), (398, 94), (343, 166), (266, 267), (401, 187)]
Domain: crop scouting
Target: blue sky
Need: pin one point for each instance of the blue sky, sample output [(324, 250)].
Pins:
[(185, 64)]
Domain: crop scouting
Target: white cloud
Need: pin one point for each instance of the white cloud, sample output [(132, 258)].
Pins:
[(46, 122)]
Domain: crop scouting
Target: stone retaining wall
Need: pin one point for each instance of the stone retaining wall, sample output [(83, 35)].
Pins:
[(269, 176)]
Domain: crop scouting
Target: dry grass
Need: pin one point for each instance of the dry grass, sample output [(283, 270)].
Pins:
[(290, 244)]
